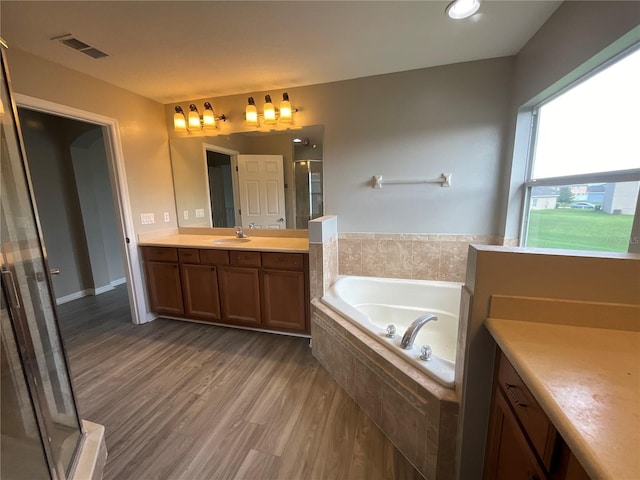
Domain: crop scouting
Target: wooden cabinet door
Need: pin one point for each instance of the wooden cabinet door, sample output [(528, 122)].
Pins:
[(240, 295), (283, 300), (508, 456), (165, 289), (200, 291)]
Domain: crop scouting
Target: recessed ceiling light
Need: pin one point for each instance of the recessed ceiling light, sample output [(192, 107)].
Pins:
[(297, 140), (460, 9)]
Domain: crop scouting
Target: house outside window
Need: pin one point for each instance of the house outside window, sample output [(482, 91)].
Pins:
[(584, 166)]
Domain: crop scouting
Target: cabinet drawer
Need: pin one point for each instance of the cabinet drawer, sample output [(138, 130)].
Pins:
[(245, 259), (288, 261), (189, 255), (538, 427), (214, 257), (160, 254)]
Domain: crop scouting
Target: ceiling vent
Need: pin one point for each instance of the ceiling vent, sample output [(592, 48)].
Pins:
[(70, 41)]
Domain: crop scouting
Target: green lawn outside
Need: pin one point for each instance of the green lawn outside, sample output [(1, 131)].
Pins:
[(578, 229)]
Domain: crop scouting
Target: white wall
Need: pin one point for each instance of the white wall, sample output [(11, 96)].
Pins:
[(415, 124)]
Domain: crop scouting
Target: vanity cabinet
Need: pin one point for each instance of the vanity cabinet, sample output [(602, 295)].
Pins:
[(267, 290), (522, 443), (163, 280), (240, 289), (200, 284), (285, 298)]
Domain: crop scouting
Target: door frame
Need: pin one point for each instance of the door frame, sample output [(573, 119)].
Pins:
[(207, 147), (120, 191)]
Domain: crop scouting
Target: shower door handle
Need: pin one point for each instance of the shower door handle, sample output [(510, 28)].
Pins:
[(12, 292), (54, 271)]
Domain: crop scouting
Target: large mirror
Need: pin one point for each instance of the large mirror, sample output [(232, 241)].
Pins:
[(269, 180)]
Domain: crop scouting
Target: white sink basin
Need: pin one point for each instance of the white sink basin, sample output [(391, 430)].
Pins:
[(230, 241)]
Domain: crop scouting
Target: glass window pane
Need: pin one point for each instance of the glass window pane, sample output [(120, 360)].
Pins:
[(596, 216), (594, 126)]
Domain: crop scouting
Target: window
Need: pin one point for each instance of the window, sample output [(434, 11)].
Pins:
[(584, 172)]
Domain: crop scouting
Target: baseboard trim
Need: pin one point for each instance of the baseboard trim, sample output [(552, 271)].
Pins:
[(103, 289), (118, 281), (73, 296)]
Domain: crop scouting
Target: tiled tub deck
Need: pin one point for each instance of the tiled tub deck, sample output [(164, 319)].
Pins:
[(418, 415)]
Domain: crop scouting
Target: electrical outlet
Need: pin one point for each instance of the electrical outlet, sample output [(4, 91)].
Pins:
[(185, 214), (199, 212), (166, 217), (147, 218)]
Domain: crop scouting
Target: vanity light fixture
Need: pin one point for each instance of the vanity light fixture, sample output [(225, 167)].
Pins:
[(285, 109), (251, 113), (269, 111), (179, 122), (194, 117), (270, 115), (194, 121), (460, 9)]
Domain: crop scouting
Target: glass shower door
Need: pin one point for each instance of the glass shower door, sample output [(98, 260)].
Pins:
[(30, 311)]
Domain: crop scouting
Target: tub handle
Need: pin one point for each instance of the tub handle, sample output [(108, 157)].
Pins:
[(391, 330), (425, 353)]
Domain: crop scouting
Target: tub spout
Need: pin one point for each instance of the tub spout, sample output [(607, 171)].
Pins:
[(410, 335)]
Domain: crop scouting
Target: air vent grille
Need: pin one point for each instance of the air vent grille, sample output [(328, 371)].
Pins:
[(70, 41)]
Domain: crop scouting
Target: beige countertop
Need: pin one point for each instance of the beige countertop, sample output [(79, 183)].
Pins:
[(587, 380), (255, 243)]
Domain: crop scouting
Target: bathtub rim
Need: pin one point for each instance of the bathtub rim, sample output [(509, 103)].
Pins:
[(376, 350), (362, 321)]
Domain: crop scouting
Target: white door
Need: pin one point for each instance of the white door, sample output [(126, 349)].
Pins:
[(261, 182)]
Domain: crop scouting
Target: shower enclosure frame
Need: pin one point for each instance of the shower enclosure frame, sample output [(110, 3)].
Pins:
[(27, 346)]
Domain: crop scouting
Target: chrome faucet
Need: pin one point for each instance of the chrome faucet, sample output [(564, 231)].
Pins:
[(410, 335), (240, 233)]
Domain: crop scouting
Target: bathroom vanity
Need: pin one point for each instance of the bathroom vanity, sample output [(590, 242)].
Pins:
[(262, 283), (565, 401)]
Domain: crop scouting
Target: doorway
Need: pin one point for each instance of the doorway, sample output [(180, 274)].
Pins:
[(119, 199), (70, 177), (220, 189)]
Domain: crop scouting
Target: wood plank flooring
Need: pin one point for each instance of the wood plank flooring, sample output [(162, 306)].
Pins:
[(187, 401)]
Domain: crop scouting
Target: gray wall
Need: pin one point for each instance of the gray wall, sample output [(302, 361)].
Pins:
[(415, 124), (577, 38), (67, 162)]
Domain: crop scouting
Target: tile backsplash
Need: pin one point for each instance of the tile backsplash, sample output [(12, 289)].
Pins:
[(413, 256)]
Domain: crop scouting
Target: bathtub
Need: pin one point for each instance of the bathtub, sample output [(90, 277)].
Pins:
[(373, 303)]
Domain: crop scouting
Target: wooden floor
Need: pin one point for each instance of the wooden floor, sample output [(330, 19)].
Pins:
[(196, 402)]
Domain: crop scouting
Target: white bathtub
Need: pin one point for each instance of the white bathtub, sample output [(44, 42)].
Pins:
[(373, 303)]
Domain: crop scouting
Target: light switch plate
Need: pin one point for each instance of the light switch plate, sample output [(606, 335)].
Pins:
[(166, 217), (147, 218), (199, 212), (185, 214)]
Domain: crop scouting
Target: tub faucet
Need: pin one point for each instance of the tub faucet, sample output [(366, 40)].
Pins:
[(240, 233), (410, 335)]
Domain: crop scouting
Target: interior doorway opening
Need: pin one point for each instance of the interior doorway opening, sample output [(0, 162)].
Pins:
[(220, 173)]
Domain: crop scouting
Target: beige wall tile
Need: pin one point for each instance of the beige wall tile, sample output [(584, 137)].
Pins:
[(373, 258), (398, 259), (425, 259), (349, 256), (453, 261)]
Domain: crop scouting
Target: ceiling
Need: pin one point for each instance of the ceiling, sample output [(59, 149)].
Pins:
[(173, 51)]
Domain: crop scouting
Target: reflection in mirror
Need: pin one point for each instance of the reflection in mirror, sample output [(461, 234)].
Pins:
[(257, 179)]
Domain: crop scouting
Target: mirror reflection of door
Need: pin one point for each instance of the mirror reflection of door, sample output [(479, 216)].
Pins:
[(220, 189), (261, 182)]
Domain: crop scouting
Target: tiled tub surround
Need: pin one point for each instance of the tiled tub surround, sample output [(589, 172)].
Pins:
[(411, 256), (419, 415)]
